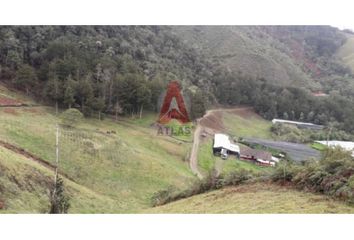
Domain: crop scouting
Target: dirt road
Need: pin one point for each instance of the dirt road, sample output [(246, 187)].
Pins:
[(210, 123), (193, 160)]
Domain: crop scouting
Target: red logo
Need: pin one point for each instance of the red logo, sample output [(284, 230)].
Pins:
[(168, 110)]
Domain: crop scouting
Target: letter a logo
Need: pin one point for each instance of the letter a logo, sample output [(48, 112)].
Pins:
[(168, 110)]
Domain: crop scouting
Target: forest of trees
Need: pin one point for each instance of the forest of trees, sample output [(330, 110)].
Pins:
[(287, 102), (97, 69), (123, 70)]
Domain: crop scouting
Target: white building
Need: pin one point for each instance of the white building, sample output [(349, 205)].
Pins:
[(222, 141), (348, 146), (298, 124)]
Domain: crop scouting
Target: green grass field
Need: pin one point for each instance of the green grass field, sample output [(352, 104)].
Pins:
[(318, 146), (24, 188), (128, 167), (255, 198), (253, 126)]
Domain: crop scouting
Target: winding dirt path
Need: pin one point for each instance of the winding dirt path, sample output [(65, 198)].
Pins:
[(211, 123), (193, 160)]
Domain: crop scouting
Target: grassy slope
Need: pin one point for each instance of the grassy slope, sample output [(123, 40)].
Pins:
[(249, 50), (346, 52), (127, 167), (131, 164), (24, 188), (5, 92), (255, 198), (252, 126), (120, 172)]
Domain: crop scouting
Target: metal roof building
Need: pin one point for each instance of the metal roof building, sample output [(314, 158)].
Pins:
[(223, 141), (299, 124)]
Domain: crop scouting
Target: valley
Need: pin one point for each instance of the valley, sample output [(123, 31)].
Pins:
[(114, 158)]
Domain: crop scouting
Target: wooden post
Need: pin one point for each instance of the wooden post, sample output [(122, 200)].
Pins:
[(57, 157)]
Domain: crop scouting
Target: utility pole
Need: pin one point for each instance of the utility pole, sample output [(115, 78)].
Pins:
[(57, 157), (56, 108)]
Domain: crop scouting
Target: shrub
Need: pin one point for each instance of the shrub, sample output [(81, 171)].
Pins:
[(285, 171), (210, 182), (59, 200), (71, 117), (332, 175), (351, 182), (236, 178)]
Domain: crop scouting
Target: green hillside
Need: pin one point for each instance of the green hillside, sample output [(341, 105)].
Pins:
[(255, 198), (114, 160), (24, 187), (346, 52), (283, 55), (248, 50), (124, 69), (126, 166)]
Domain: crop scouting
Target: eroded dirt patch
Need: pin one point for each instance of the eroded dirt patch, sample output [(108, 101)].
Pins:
[(244, 112), (9, 102), (11, 111), (213, 120)]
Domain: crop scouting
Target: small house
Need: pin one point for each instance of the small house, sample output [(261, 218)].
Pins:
[(259, 157)]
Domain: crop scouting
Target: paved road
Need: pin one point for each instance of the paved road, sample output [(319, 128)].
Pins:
[(297, 152)]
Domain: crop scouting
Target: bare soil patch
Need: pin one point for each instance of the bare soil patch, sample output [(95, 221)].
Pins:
[(31, 110), (8, 102), (213, 120), (244, 112), (11, 111)]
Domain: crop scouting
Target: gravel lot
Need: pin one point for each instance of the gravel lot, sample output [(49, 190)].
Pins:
[(297, 152)]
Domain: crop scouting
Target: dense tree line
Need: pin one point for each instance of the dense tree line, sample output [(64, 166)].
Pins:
[(286, 102), (124, 69), (101, 69)]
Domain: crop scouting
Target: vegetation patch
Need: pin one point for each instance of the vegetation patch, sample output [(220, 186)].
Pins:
[(255, 198), (253, 126), (318, 146), (208, 183), (124, 161), (332, 175)]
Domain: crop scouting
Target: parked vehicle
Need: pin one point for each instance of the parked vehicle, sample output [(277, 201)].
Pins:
[(224, 154)]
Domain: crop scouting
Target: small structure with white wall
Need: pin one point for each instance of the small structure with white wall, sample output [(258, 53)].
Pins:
[(223, 146), (258, 157)]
